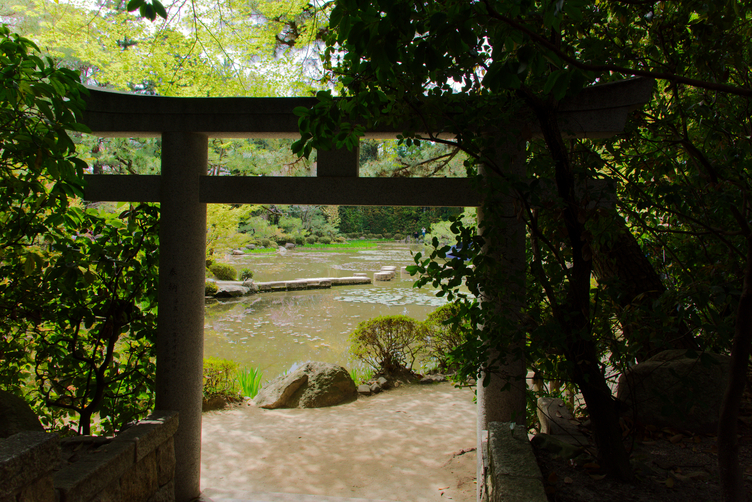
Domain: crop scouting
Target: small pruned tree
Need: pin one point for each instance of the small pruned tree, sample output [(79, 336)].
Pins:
[(446, 333), (389, 344)]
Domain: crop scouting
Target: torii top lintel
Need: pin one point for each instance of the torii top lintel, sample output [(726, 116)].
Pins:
[(599, 111)]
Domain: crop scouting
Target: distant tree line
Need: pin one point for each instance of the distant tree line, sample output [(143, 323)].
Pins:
[(383, 219)]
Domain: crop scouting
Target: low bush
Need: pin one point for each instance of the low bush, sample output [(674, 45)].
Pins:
[(266, 242), (377, 236), (444, 336), (299, 241), (388, 343), (398, 237), (210, 289), (387, 236), (325, 240), (219, 377), (245, 274), (223, 271), (311, 239), (340, 239)]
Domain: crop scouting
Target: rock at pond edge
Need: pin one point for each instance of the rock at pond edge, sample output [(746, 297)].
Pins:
[(312, 385)]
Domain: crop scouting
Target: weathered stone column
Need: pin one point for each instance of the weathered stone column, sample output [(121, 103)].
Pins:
[(180, 336), (505, 292)]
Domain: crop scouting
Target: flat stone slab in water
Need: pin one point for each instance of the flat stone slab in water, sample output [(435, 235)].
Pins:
[(238, 288)]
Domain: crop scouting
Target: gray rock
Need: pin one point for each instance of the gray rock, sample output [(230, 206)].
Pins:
[(231, 291), (251, 246), (312, 385), (375, 388), (556, 420), (429, 379), (671, 389), (555, 417), (364, 389), (383, 382), (237, 252), (16, 416)]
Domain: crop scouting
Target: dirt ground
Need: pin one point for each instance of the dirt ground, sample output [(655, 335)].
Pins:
[(414, 443)]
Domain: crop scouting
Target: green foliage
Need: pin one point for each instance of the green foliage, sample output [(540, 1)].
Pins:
[(266, 243), (389, 343), (249, 380), (210, 288), (311, 239), (384, 219), (446, 334), (246, 274), (325, 240), (219, 377), (222, 221), (78, 294), (224, 271)]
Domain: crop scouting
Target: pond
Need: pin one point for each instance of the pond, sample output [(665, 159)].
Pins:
[(274, 331)]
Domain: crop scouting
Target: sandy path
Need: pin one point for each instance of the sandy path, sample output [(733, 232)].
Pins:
[(401, 445)]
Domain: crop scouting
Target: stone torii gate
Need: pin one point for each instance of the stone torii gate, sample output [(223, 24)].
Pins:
[(183, 189)]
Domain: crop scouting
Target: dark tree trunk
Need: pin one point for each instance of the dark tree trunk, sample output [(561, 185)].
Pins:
[(573, 313), (732, 481)]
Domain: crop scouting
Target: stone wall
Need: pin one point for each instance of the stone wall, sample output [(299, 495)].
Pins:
[(136, 466)]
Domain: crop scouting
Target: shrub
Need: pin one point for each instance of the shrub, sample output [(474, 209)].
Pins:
[(398, 237), (340, 239), (219, 377), (443, 337), (210, 289), (299, 241), (245, 274), (378, 236), (388, 343), (387, 236), (209, 262), (325, 240), (284, 239), (224, 271), (311, 239), (266, 242)]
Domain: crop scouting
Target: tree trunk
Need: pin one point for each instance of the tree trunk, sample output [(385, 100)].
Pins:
[(732, 482), (573, 313), (603, 413)]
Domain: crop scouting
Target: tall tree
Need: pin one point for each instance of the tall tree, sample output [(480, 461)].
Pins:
[(402, 62)]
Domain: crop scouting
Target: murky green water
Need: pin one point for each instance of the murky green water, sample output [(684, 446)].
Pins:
[(273, 331)]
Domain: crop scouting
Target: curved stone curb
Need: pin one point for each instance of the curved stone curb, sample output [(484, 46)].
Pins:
[(511, 470)]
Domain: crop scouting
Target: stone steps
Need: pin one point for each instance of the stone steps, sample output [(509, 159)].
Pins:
[(277, 497)]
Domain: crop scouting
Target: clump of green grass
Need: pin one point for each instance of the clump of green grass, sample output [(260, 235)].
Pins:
[(361, 375), (249, 380)]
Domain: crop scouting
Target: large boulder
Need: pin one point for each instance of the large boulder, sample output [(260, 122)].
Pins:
[(673, 390), (312, 385), (16, 416)]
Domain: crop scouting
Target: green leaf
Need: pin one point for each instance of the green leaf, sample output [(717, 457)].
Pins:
[(134, 4), (159, 9)]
